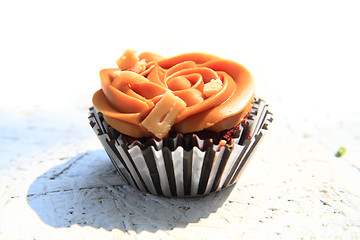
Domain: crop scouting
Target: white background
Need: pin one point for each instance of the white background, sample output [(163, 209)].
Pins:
[(304, 55)]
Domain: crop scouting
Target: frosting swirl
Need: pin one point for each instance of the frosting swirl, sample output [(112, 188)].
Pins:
[(211, 93)]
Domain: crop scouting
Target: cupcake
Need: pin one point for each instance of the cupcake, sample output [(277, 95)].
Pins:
[(179, 126)]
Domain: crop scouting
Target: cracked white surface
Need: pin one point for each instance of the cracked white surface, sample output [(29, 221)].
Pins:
[(56, 182), (294, 187)]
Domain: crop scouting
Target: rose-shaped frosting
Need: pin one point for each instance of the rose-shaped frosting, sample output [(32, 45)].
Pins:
[(210, 92)]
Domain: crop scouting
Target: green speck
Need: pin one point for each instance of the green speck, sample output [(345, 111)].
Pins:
[(341, 151)]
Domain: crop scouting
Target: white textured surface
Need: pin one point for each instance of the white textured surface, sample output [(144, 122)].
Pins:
[(56, 182)]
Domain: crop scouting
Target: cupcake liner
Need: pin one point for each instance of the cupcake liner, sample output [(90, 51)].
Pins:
[(183, 165)]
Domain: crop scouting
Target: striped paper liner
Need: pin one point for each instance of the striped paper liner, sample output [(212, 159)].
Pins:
[(183, 166)]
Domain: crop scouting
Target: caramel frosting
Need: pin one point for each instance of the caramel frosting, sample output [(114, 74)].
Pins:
[(149, 95)]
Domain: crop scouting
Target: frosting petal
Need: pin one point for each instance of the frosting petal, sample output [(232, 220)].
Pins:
[(128, 96)]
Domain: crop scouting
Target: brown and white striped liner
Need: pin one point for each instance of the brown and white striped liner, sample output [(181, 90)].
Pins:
[(182, 166)]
